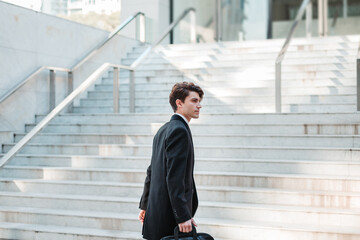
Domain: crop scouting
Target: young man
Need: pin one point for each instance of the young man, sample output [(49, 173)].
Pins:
[(170, 198)]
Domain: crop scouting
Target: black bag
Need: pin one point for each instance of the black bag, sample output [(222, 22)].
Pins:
[(188, 236)]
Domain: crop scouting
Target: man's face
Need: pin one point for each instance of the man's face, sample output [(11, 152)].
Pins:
[(190, 108)]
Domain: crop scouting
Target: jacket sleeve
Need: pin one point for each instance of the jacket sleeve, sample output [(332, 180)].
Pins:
[(177, 148), (145, 195)]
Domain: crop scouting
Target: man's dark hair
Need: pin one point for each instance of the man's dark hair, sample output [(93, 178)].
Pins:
[(181, 91)]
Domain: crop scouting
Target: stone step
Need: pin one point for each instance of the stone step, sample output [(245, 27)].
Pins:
[(243, 65), (300, 166), (279, 129), (39, 203), (12, 230), (291, 153), (70, 202), (202, 79), (257, 230), (321, 56), (166, 84), (233, 92), (226, 108), (74, 187), (310, 48), (306, 99), (245, 83), (202, 139), (113, 221), (73, 218), (232, 83), (220, 55), (279, 214), (266, 71), (230, 179), (272, 196), (341, 40), (226, 229), (239, 118)]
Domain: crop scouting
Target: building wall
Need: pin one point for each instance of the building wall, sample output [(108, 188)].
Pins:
[(31, 39), (343, 26)]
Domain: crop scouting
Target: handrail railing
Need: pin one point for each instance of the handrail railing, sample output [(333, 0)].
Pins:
[(69, 99), (358, 78), (167, 31), (142, 57), (85, 85), (111, 35), (84, 59), (37, 71), (282, 53)]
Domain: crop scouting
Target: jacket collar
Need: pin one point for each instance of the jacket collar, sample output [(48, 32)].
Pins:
[(177, 117)]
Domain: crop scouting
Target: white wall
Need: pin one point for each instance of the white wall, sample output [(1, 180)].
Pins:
[(30, 39)]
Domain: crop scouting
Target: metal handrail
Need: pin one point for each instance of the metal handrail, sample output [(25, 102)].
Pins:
[(69, 99), (84, 86), (282, 53), (111, 35), (37, 71), (80, 62), (136, 63), (358, 78)]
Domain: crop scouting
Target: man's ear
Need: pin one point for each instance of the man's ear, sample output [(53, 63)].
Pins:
[(178, 103)]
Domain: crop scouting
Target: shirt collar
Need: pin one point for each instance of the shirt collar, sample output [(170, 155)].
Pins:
[(183, 118)]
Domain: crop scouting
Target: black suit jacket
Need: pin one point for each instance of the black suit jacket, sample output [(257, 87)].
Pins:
[(169, 196)]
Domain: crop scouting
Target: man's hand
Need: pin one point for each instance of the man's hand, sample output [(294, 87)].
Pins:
[(193, 222), (142, 216), (186, 227)]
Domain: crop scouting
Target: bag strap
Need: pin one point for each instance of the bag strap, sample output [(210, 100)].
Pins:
[(176, 232)]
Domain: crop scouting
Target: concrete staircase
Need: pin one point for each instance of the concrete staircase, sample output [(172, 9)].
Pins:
[(260, 175)]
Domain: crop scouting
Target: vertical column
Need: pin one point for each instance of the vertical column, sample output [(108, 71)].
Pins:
[(192, 16), (309, 19), (70, 86), (132, 92), (116, 90), (52, 90)]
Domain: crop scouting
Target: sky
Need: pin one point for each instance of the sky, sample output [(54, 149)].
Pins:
[(32, 4)]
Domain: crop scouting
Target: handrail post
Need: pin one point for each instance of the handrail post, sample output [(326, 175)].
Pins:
[(52, 90), (132, 92), (278, 87), (192, 16), (358, 79), (282, 53), (345, 8), (70, 87), (323, 17), (309, 11), (116, 89), (141, 28), (217, 18)]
